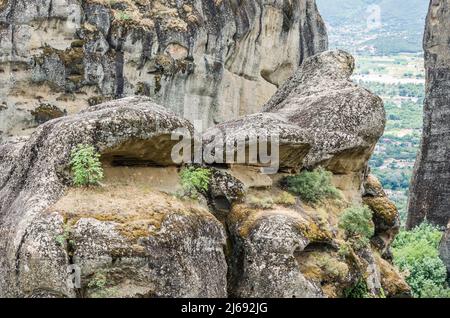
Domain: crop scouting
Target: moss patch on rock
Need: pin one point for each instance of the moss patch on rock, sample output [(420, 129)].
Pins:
[(382, 208), (246, 218), (327, 269)]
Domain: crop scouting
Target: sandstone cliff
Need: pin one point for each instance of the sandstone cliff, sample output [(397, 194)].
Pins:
[(135, 237), (429, 196), (203, 59)]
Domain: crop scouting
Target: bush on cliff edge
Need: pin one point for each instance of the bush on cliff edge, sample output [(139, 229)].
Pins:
[(312, 186), (358, 226)]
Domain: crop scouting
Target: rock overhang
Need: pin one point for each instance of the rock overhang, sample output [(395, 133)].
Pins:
[(321, 111)]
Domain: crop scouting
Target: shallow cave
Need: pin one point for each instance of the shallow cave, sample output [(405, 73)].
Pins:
[(141, 153)]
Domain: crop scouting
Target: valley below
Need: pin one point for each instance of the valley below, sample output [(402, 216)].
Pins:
[(399, 79)]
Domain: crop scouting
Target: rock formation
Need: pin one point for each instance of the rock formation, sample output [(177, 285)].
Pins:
[(36, 246), (134, 236), (430, 190), (203, 59), (322, 118), (321, 109), (385, 214)]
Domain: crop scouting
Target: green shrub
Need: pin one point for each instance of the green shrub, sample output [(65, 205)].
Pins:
[(65, 237), (358, 225), (416, 253), (424, 232), (344, 250), (312, 186), (361, 290), (86, 166), (331, 266), (195, 181), (432, 290)]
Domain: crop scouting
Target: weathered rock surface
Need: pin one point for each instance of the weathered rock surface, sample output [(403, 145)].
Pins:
[(291, 249), (135, 237), (385, 214), (264, 262), (182, 257), (393, 283), (430, 189), (36, 247), (320, 115), (344, 120), (249, 132), (203, 59)]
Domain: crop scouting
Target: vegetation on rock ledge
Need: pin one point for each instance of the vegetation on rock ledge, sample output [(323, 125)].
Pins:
[(195, 181), (312, 186), (86, 166), (357, 223), (266, 203)]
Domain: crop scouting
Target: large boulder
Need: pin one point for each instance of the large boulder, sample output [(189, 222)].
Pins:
[(139, 250), (202, 59), (266, 244), (343, 120), (320, 115)]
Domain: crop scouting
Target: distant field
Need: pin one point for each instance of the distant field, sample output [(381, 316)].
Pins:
[(399, 81), (402, 68)]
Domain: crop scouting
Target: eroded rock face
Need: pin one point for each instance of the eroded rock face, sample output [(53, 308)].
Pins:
[(135, 237), (429, 194), (184, 257), (38, 242), (203, 59), (320, 115), (344, 121), (385, 214), (284, 248), (264, 262), (254, 130)]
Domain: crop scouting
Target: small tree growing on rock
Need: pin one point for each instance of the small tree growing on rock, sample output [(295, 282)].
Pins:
[(195, 181), (358, 226), (313, 186), (86, 166)]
